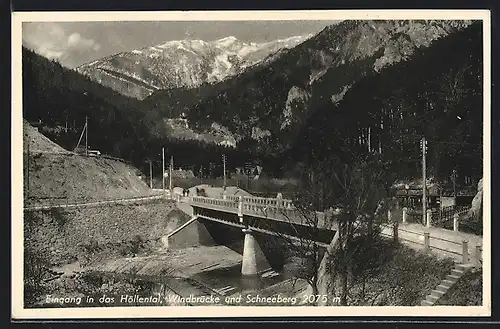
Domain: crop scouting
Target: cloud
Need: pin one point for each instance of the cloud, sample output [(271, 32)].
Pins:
[(74, 39), (52, 41), (48, 51)]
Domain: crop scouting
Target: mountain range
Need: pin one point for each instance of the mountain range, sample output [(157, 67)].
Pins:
[(273, 98), (378, 85), (180, 64)]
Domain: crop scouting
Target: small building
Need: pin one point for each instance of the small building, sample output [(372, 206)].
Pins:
[(410, 196), (181, 173)]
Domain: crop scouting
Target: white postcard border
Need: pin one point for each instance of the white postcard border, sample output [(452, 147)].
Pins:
[(21, 313)]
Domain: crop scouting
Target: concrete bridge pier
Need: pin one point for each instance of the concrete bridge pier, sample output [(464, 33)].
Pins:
[(254, 260)]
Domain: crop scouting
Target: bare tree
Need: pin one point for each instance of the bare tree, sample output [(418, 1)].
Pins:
[(345, 197), (303, 230), (362, 189)]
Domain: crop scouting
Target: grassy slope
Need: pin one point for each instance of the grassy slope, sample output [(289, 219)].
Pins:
[(405, 278), (38, 142), (56, 173), (78, 179)]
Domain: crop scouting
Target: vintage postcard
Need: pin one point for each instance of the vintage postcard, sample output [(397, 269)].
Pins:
[(250, 163)]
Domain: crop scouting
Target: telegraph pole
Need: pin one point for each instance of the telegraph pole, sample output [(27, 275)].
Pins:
[(424, 181), (28, 169), (163, 167), (86, 136), (170, 174), (454, 177), (224, 164), (150, 174)]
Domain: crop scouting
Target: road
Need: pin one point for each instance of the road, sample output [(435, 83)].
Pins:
[(90, 204)]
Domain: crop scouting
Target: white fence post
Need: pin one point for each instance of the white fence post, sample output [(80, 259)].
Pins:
[(395, 232), (429, 218), (477, 256), (465, 252), (427, 241), (405, 213), (455, 222)]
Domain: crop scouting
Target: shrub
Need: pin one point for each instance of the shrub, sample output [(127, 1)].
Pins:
[(90, 246), (59, 217), (396, 275), (35, 271), (133, 246)]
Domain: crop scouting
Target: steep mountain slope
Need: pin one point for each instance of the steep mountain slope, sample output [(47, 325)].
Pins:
[(180, 63), (437, 94), (270, 101), (60, 99)]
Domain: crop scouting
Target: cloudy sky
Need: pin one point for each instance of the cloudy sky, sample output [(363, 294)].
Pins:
[(75, 43)]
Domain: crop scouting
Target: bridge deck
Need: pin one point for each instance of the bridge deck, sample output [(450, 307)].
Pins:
[(265, 208), (268, 216)]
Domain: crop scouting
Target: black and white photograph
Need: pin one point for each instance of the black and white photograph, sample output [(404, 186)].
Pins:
[(237, 162)]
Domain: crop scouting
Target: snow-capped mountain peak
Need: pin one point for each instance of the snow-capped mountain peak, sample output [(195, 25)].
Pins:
[(181, 63)]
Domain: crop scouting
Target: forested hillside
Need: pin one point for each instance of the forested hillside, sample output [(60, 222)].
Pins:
[(438, 93), (119, 126), (271, 101)]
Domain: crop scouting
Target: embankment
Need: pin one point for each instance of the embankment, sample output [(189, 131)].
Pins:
[(90, 233), (53, 175), (67, 178)]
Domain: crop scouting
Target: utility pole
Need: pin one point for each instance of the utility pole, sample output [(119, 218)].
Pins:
[(424, 181), (163, 168), (454, 179), (248, 178), (28, 168), (150, 174), (224, 165), (86, 136), (440, 203), (170, 174)]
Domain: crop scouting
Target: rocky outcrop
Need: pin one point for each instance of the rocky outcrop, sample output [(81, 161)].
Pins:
[(326, 282), (476, 211)]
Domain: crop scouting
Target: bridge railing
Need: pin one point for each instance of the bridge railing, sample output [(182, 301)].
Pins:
[(273, 202), (233, 198), (246, 204), (245, 200), (220, 203), (277, 209)]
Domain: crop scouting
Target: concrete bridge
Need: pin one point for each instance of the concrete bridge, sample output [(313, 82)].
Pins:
[(255, 216)]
